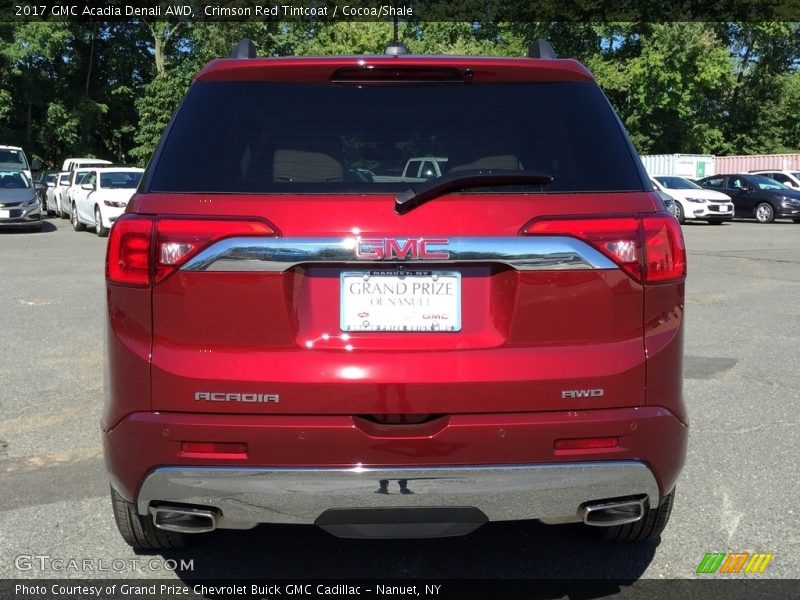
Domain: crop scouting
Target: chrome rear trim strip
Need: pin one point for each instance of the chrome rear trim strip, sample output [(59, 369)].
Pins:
[(551, 492), (280, 254)]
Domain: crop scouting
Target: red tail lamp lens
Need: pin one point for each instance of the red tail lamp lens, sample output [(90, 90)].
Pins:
[(180, 239), (665, 253), (131, 253), (128, 253), (617, 238), (648, 248)]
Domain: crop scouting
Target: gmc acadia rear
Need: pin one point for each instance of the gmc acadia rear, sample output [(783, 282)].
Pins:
[(290, 341)]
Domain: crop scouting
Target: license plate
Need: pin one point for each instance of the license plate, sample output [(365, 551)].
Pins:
[(404, 301), (5, 214)]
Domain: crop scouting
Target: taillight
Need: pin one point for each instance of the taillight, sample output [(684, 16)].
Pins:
[(618, 238), (129, 250), (648, 248), (177, 240), (137, 256), (664, 250)]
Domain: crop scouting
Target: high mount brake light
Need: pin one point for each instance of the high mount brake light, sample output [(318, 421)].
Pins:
[(648, 248), (136, 252), (383, 74)]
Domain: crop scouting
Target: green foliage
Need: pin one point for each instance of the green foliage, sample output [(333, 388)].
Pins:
[(109, 89), (485, 39), (155, 108), (5, 107), (764, 54), (671, 93), (791, 110)]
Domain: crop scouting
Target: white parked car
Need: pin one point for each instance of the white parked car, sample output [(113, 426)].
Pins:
[(68, 193), (694, 202), (59, 193), (788, 178), (71, 164), (12, 158), (48, 179), (102, 197)]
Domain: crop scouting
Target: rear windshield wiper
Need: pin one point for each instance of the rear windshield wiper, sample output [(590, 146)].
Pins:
[(426, 190)]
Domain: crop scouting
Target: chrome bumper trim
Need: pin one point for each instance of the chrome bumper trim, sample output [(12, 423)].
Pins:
[(280, 254), (553, 493)]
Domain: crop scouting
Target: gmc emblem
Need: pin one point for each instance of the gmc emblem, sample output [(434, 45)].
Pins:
[(400, 249)]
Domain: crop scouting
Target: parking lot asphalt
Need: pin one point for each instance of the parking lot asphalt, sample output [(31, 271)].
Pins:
[(737, 492)]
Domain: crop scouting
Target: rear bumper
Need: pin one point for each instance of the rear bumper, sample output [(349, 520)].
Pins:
[(296, 467), (244, 497)]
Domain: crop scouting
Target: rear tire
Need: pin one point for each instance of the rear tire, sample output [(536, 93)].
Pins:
[(138, 531), (765, 213), (62, 214), (647, 528), (73, 217)]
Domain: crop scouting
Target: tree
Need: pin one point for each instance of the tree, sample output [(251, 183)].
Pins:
[(109, 88), (671, 94), (30, 51), (763, 54)]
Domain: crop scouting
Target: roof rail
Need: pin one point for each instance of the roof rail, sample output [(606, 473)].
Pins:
[(541, 49), (244, 49)]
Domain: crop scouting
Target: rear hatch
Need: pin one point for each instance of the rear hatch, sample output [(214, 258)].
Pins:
[(289, 282)]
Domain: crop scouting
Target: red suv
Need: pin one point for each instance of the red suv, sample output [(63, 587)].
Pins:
[(301, 332)]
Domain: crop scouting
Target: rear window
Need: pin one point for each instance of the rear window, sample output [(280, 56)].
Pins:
[(255, 137), (14, 180), (677, 183), (13, 159), (120, 179)]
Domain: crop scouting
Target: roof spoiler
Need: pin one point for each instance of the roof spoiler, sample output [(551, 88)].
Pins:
[(244, 49)]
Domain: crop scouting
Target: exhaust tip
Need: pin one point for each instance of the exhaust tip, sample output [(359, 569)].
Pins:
[(183, 520), (610, 513)]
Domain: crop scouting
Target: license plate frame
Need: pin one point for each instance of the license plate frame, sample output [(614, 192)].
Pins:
[(440, 314)]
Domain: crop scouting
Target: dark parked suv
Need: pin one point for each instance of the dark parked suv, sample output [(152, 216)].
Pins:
[(299, 332), (757, 197)]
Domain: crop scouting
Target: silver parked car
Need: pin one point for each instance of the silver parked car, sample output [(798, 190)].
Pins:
[(20, 205), (669, 202)]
